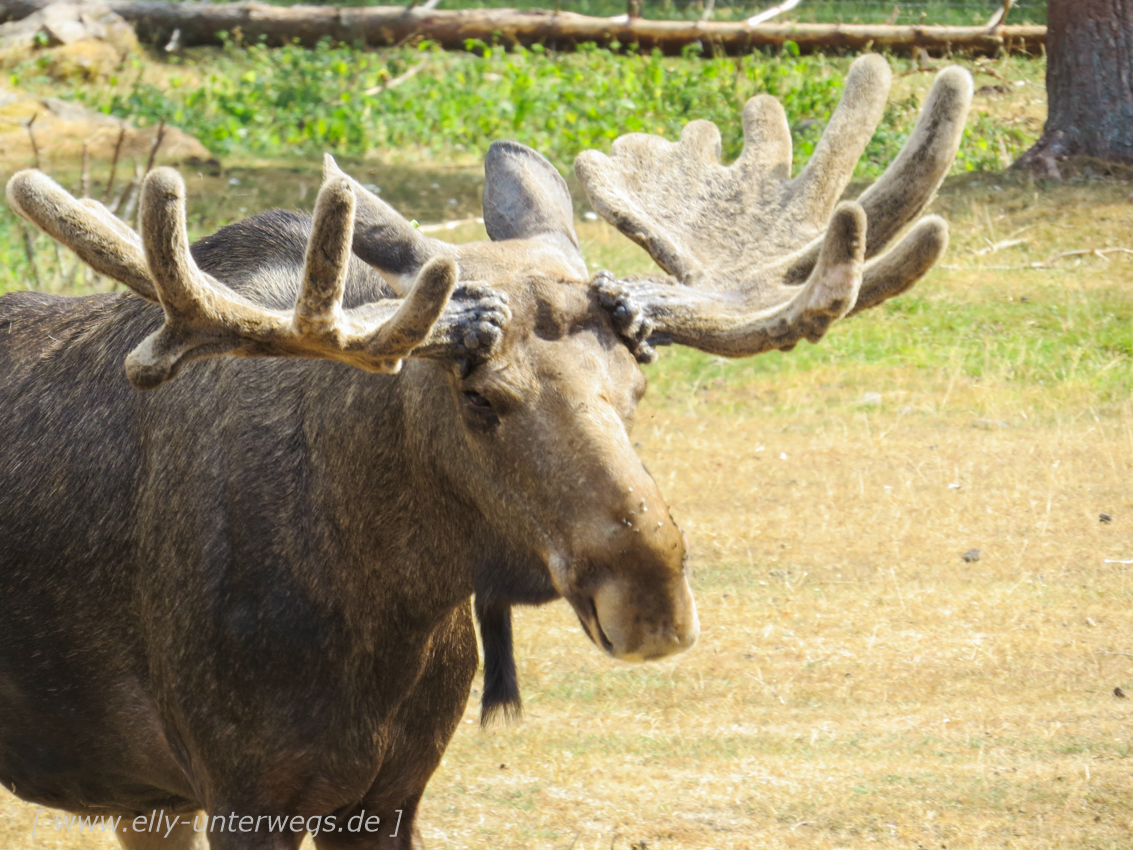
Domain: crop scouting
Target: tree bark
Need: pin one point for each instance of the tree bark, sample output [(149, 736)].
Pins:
[(202, 23), (1089, 84)]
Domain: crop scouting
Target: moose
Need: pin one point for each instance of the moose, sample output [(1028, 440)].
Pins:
[(247, 591)]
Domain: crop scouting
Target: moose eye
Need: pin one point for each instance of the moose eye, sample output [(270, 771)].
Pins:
[(479, 413), (477, 403)]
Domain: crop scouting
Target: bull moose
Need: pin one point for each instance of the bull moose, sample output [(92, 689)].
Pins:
[(246, 592)]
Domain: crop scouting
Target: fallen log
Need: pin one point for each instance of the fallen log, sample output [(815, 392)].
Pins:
[(202, 24)]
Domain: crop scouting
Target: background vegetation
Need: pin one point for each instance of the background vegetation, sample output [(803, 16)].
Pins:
[(255, 101)]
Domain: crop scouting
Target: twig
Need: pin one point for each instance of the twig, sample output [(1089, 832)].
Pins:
[(1000, 14), (29, 249), (114, 163), (39, 165), (1106, 651), (84, 183), (992, 248), (393, 82), (156, 144), (785, 6), (132, 195), (1049, 263), (1099, 251), (116, 205), (84, 179), (34, 146)]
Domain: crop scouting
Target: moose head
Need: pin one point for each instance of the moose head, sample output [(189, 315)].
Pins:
[(515, 371)]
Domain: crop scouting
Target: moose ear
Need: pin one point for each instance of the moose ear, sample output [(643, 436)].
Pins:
[(525, 196)]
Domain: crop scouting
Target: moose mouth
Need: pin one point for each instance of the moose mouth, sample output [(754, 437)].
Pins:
[(593, 627)]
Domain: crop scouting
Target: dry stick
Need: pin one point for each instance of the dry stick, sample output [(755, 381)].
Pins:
[(156, 144), (84, 184), (114, 163), (29, 249), (396, 81), (39, 166), (132, 195), (1050, 261), (34, 146), (785, 6), (1000, 15), (1101, 252)]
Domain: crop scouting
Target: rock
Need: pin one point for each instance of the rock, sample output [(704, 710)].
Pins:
[(61, 127), (69, 23), (86, 60), (17, 10), (971, 556)]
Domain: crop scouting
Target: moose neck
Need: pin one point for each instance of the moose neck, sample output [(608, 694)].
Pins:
[(401, 537)]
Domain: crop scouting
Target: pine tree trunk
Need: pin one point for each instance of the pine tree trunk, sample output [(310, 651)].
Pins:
[(1089, 83)]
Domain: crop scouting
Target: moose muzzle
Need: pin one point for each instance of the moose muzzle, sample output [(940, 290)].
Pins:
[(631, 592)]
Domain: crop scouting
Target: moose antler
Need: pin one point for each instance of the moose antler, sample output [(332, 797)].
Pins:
[(763, 260), (204, 317), (101, 240)]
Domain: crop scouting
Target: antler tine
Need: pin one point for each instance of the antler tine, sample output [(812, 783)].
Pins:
[(897, 270), (754, 248), (318, 308), (204, 318), (910, 183), (844, 140), (101, 240), (382, 236)]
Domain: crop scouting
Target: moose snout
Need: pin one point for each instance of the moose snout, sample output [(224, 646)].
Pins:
[(636, 623), (636, 603)]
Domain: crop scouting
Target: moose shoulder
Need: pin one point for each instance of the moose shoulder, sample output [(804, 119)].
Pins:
[(246, 591)]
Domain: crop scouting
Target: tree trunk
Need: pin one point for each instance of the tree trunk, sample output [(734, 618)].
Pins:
[(1089, 84), (202, 23)]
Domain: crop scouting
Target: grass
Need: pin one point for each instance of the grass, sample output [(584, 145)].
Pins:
[(857, 683)]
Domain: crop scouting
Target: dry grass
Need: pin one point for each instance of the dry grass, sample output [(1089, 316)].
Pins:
[(856, 681)]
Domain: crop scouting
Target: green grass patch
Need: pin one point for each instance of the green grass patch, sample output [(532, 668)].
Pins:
[(1074, 341)]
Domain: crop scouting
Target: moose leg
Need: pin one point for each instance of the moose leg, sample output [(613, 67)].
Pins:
[(427, 721), (175, 836), (400, 832)]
